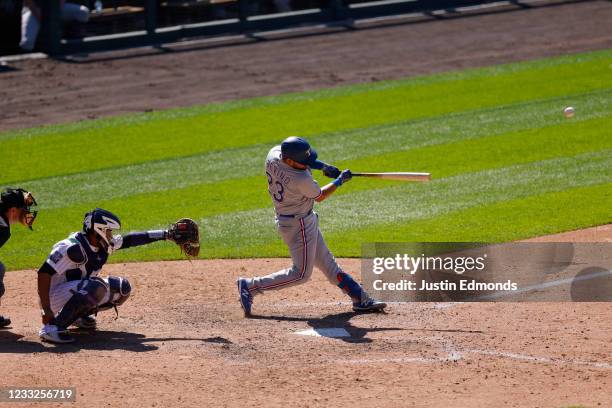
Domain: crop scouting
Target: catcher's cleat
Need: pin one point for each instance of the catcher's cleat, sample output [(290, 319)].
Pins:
[(86, 322), (246, 299), (54, 334), (367, 304), (5, 321)]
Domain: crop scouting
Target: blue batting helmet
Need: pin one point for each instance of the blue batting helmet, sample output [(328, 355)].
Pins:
[(299, 150)]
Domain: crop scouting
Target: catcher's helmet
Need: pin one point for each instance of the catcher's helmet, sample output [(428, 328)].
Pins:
[(102, 223), (299, 150)]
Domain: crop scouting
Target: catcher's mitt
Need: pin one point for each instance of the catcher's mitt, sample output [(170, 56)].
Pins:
[(186, 234)]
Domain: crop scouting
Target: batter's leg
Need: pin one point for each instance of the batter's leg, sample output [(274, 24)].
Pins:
[(301, 239), (326, 262)]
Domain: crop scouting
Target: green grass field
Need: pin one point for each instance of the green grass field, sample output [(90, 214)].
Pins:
[(506, 163)]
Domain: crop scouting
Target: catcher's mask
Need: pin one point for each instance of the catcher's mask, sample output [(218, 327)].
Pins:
[(24, 201), (102, 223)]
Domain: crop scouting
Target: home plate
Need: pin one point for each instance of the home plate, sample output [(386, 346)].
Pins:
[(334, 332)]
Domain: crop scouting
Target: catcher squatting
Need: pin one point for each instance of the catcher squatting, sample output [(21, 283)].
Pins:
[(71, 291)]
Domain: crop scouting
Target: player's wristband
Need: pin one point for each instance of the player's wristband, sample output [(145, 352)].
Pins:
[(337, 182)]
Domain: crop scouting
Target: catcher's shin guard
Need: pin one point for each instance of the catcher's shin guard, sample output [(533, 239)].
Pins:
[(82, 303), (120, 290)]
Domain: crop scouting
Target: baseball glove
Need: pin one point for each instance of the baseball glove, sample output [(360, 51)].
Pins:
[(186, 234)]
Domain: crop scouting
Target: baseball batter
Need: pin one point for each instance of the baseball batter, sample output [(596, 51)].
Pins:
[(15, 207), (69, 287), (293, 192)]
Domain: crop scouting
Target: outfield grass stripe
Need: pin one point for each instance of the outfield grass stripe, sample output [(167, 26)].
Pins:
[(408, 202), (239, 232), (602, 56), (247, 194), (520, 218), (384, 142), (106, 147), (543, 213), (456, 127), (496, 151)]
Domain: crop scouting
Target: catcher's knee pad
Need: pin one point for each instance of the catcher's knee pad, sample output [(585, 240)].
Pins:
[(1, 279), (119, 291), (90, 293), (348, 285)]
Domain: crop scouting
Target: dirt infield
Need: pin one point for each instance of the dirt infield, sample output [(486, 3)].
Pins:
[(43, 92), (182, 341)]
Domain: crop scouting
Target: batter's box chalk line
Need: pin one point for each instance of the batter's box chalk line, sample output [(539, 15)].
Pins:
[(332, 332), (452, 353)]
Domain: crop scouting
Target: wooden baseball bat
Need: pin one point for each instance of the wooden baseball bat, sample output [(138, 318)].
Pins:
[(401, 176)]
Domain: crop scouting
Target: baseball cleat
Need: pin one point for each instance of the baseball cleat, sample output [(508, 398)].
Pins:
[(54, 334), (4, 321), (246, 299), (85, 322), (367, 304)]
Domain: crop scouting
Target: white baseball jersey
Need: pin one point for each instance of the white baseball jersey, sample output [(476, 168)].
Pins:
[(71, 260)]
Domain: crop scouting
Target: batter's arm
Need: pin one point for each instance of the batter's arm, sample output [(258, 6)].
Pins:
[(329, 189), (326, 191)]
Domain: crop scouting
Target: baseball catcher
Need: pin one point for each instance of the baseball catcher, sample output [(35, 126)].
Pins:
[(70, 290), (15, 207), (293, 192)]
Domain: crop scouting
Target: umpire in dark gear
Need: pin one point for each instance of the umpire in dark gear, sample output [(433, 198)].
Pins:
[(15, 207)]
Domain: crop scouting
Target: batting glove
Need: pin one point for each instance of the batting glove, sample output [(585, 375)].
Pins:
[(345, 176), (331, 171)]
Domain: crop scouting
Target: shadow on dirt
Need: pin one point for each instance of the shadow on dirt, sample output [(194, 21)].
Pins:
[(94, 340), (335, 321)]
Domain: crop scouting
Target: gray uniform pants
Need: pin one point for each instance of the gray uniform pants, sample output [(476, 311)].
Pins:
[(307, 248)]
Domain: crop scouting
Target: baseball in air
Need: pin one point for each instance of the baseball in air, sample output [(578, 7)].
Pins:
[(569, 112)]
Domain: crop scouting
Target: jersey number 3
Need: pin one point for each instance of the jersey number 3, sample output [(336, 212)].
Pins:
[(278, 194)]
